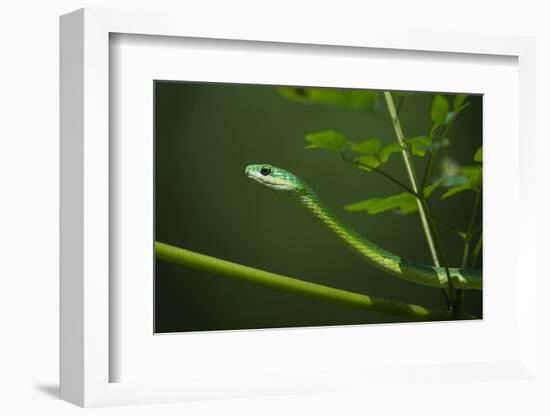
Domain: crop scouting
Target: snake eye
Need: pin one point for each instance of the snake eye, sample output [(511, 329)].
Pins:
[(265, 170)]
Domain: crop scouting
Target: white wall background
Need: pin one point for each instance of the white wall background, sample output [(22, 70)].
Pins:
[(29, 189)]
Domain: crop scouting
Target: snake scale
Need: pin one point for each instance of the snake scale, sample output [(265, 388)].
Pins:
[(282, 180)]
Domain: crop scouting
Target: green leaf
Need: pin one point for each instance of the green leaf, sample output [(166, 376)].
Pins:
[(478, 157), (373, 155), (455, 190), (403, 203), (363, 205), (328, 140), (419, 145), (473, 173), (428, 190), (458, 101), (368, 162), (345, 98), (387, 151), (369, 147), (440, 109)]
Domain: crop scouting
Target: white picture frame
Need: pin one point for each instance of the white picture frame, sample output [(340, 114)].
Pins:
[(86, 355)]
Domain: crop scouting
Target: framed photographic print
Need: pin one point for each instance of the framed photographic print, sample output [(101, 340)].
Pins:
[(269, 214), (262, 228)]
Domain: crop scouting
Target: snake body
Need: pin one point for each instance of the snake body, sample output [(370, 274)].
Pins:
[(282, 180)]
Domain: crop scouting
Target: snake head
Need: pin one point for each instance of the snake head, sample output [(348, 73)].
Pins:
[(274, 178)]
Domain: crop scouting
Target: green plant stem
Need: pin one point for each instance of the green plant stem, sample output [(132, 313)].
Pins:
[(381, 172), (410, 172), (461, 234), (399, 104), (395, 181), (434, 232), (428, 169), (477, 250), (429, 228), (237, 271), (469, 231), (467, 241)]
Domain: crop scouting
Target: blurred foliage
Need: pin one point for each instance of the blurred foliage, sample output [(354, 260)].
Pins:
[(345, 98), (403, 203), (328, 140)]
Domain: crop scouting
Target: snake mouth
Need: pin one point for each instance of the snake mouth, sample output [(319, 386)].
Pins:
[(271, 177), (249, 172), (256, 178), (266, 181)]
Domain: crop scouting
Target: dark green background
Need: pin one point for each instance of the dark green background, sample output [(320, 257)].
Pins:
[(205, 135)]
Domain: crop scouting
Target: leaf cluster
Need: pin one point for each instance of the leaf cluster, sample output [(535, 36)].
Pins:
[(371, 154)]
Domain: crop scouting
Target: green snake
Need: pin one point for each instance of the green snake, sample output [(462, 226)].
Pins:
[(282, 180)]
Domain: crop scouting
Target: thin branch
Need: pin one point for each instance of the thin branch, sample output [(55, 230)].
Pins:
[(237, 271), (410, 172), (441, 252), (428, 169), (467, 241), (399, 104), (477, 250), (469, 232), (381, 172), (394, 180), (455, 230)]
